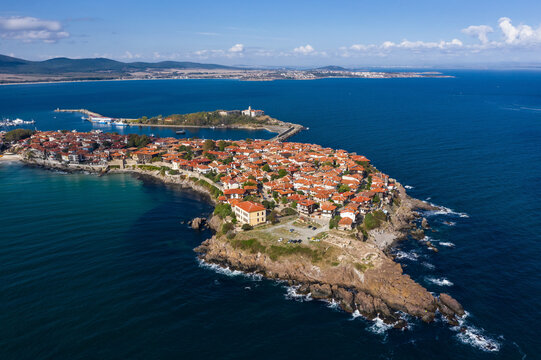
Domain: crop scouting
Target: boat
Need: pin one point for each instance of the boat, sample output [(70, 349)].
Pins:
[(100, 120), (120, 123), (181, 132)]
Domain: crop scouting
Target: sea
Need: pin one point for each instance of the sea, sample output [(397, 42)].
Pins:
[(104, 268)]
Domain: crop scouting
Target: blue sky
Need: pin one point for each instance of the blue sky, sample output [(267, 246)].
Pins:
[(292, 33)]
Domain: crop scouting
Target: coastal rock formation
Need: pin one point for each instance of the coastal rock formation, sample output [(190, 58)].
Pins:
[(198, 223), (379, 289), (215, 223), (448, 304), (417, 234), (424, 224)]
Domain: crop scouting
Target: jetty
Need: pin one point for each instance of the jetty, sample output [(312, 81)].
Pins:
[(82, 111), (289, 132)]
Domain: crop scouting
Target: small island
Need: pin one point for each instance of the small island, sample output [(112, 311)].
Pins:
[(322, 219)]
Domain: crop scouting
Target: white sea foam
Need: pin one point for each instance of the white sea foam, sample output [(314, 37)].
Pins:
[(439, 281), (447, 243), (428, 265), (332, 304), (355, 315), (473, 336), (442, 210), (411, 255), (379, 327), (292, 294), (228, 272), (409, 187)]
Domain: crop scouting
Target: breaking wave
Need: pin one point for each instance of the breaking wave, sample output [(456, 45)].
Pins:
[(442, 210), (228, 272), (332, 304), (447, 243), (471, 335), (439, 281), (428, 265), (379, 327), (411, 255), (292, 294)]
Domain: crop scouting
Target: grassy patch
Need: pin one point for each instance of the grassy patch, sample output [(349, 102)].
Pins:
[(363, 267), (289, 250), (251, 245)]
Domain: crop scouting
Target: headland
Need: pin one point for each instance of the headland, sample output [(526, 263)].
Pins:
[(321, 219)]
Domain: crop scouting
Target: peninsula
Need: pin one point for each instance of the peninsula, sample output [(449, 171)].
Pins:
[(321, 219)]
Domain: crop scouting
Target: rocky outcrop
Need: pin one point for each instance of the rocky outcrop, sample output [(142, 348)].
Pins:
[(381, 290), (321, 291), (424, 224), (450, 308), (198, 223), (215, 223), (417, 234)]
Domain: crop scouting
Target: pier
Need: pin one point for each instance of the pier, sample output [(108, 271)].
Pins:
[(289, 132), (82, 111)]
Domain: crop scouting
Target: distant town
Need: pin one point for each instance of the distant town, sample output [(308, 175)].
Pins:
[(14, 71)]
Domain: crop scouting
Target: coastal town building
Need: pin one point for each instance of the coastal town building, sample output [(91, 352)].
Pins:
[(251, 213), (252, 112)]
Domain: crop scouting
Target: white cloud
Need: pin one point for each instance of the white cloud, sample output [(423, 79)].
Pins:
[(304, 50), (519, 35), (479, 31), (129, 56), (29, 29), (237, 48), (512, 36)]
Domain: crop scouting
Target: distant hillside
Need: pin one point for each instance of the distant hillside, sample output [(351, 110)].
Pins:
[(332, 68), (63, 66)]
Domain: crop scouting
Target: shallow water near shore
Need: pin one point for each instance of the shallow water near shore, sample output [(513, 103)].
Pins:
[(102, 267)]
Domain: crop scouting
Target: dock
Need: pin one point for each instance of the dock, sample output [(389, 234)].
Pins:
[(82, 111), (289, 132)]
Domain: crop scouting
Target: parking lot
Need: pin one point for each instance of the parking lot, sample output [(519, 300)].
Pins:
[(303, 233)]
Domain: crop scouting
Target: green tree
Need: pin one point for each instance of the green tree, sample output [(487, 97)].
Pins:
[(334, 222), (282, 173), (247, 227), (223, 210), (268, 204), (226, 227), (266, 168), (209, 145), (273, 217), (18, 134), (343, 188), (138, 141)]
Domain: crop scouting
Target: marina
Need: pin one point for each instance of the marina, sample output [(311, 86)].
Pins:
[(15, 122)]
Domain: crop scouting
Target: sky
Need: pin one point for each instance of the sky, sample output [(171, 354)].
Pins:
[(298, 33)]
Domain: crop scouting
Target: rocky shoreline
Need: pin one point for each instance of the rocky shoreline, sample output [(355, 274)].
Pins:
[(367, 280), (376, 288)]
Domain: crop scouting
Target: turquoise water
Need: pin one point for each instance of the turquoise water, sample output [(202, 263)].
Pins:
[(102, 267)]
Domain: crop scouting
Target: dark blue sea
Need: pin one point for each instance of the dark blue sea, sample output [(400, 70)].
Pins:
[(103, 267)]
